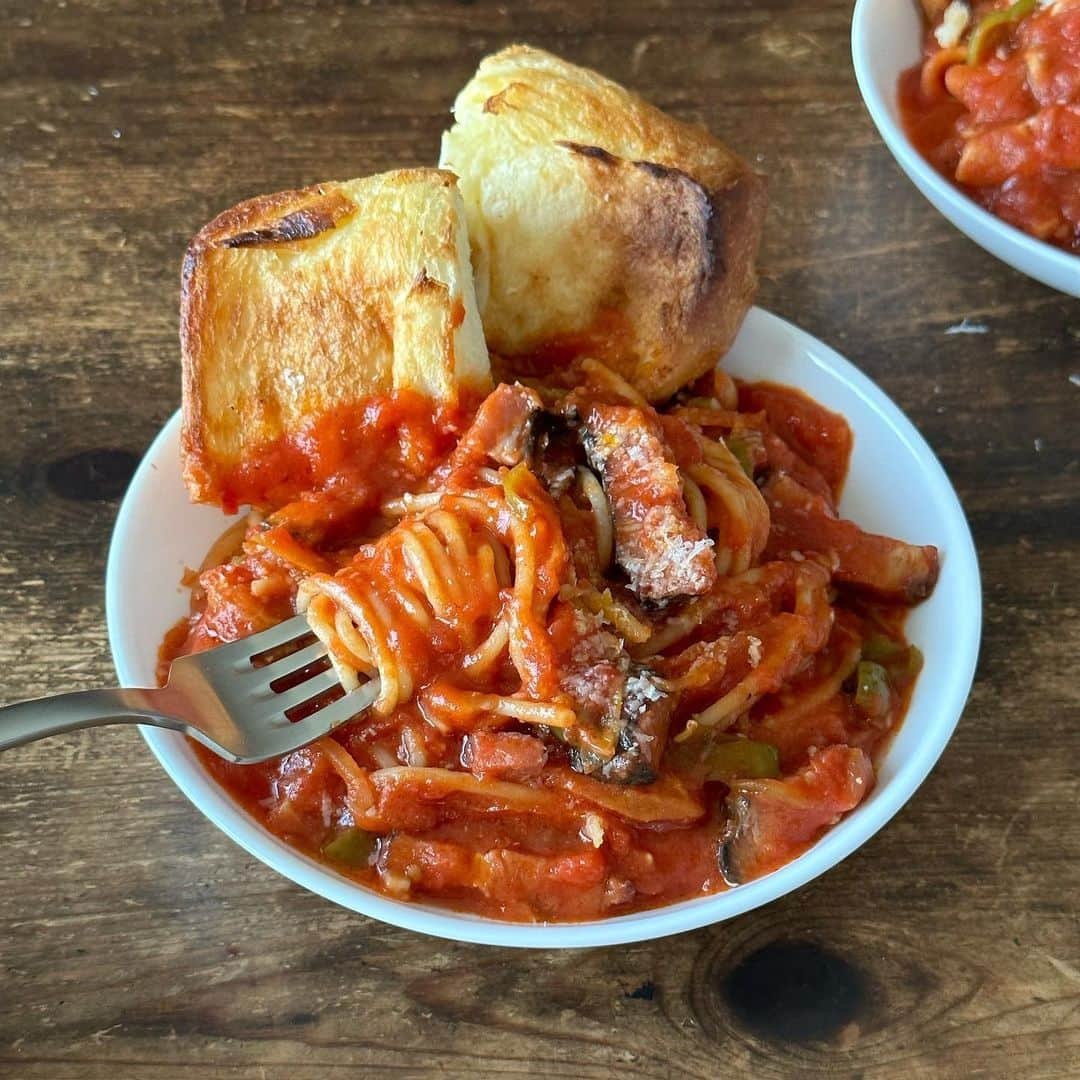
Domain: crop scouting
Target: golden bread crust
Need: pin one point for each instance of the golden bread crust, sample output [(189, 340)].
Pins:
[(302, 302), (599, 223)]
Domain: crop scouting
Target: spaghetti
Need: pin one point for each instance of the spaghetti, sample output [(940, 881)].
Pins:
[(625, 655)]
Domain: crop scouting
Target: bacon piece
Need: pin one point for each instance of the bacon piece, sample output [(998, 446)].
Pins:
[(502, 427), (771, 821), (236, 607), (1048, 140), (888, 568), (617, 703), (645, 719), (657, 543), (522, 883), (504, 755), (820, 437)]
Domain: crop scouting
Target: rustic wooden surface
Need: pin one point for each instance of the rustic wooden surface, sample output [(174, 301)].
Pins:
[(136, 941)]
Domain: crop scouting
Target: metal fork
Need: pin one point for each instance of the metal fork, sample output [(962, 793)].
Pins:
[(248, 701)]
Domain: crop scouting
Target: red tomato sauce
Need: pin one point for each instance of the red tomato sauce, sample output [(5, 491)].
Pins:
[(358, 452), (525, 835), (1004, 124)]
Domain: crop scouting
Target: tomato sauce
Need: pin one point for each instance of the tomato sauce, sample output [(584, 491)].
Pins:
[(1001, 118), (358, 452), (495, 816)]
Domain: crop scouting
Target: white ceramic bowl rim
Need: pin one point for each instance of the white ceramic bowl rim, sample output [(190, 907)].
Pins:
[(885, 40), (953, 615)]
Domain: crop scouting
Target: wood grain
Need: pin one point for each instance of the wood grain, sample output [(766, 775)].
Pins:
[(137, 941)]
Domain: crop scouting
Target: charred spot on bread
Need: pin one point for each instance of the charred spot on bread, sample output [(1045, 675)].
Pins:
[(280, 218), (597, 153), (301, 225)]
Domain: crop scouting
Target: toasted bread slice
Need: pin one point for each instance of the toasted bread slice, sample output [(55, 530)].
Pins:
[(600, 225), (302, 303)]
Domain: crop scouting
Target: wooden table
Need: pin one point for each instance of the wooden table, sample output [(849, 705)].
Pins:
[(137, 941)]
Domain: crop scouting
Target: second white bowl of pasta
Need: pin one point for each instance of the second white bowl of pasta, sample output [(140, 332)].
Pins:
[(886, 37)]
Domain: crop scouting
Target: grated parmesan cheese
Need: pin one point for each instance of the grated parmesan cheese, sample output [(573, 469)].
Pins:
[(261, 587), (953, 24), (640, 690), (640, 685), (396, 884), (592, 829), (754, 650)]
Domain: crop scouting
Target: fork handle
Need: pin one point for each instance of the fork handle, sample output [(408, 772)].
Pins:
[(26, 721)]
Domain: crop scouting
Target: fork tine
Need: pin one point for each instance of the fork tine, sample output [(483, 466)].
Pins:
[(337, 712), (297, 695), (290, 663)]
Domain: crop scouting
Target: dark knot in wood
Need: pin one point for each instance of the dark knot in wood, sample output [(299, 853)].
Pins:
[(91, 474), (787, 991)]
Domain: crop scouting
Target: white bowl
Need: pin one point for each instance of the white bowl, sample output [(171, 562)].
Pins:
[(886, 39), (895, 486)]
